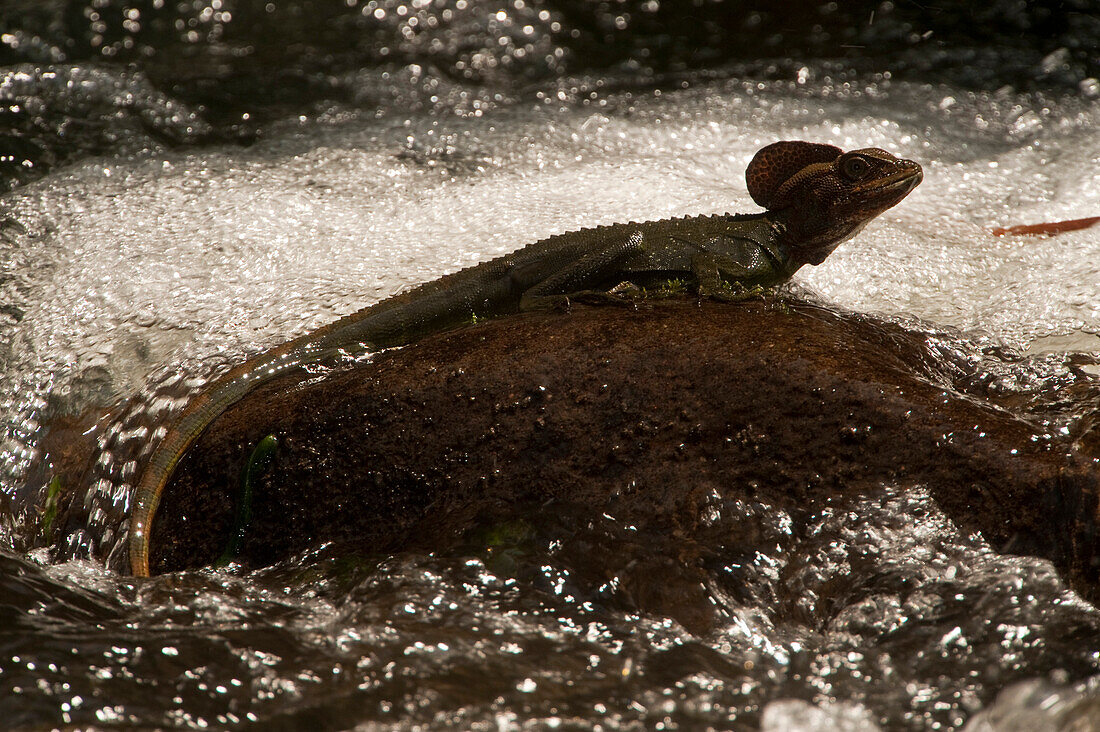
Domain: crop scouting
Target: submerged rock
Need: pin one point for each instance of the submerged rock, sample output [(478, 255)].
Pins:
[(650, 417)]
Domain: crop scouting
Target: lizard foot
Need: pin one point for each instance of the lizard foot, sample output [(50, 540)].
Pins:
[(736, 292), (601, 297)]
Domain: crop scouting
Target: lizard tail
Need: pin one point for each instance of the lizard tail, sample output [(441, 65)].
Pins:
[(195, 418), (379, 326)]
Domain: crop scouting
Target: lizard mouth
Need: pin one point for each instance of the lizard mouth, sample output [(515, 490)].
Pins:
[(903, 182)]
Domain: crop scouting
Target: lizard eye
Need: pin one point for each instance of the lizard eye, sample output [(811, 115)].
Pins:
[(854, 168)]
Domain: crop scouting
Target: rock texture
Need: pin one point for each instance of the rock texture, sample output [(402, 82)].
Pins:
[(640, 414)]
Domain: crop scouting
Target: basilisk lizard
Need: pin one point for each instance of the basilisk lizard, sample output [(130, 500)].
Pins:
[(816, 196)]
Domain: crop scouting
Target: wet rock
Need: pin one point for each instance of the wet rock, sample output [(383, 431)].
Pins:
[(639, 418)]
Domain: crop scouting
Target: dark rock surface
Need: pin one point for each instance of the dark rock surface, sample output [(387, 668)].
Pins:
[(638, 414)]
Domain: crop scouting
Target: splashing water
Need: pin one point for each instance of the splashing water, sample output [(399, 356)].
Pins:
[(138, 276)]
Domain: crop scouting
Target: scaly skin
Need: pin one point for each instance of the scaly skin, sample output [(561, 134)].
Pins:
[(816, 197)]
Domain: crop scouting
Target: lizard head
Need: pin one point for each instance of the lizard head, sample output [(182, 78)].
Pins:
[(823, 195)]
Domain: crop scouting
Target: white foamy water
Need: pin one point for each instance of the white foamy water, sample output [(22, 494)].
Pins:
[(231, 249)]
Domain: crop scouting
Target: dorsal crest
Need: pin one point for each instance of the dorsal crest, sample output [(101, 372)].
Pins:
[(777, 163)]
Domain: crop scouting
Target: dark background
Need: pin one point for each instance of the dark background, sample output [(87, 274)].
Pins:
[(148, 73)]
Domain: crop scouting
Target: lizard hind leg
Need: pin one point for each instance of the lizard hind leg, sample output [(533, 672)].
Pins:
[(582, 281), (627, 289), (563, 301)]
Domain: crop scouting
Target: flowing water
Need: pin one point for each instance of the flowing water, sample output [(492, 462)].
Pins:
[(123, 270)]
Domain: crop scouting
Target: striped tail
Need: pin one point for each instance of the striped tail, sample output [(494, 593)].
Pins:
[(402, 319), (195, 418)]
